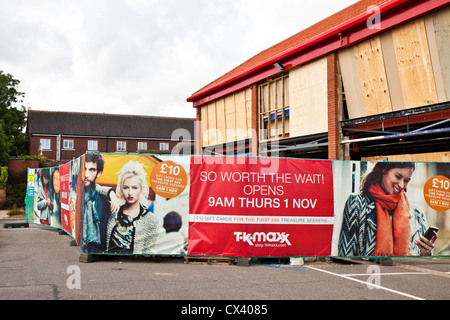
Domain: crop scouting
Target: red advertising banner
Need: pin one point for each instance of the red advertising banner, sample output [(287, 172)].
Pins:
[(64, 172), (262, 207)]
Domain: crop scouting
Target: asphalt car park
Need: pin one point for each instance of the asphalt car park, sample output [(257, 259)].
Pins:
[(38, 263)]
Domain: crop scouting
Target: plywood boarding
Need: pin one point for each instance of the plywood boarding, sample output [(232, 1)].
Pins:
[(228, 119), (221, 120), (352, 87), (212, 125), (414, 64), (287, 126), (372, 75), (241, 115), (434, 56), (442, 36), (249, 113), (204, 116), (308, 99), (230, 116), (429, 157)]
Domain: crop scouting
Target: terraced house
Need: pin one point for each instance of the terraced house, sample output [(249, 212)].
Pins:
[(370, 81), (67, 135)]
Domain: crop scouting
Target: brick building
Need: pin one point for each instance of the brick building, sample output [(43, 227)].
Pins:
[(66, 135), (370, 81)]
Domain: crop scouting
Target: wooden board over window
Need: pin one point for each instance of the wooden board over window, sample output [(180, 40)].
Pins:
[(404, 68), (308, 99), (227, 119), (414, 64), (372, 75), (274, 109)]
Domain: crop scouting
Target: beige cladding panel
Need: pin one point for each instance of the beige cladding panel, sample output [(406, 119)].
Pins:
[(352, 86), (390, 66), (308, 110)]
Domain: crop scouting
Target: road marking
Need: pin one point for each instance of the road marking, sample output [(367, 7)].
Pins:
[(424, 270), (366, 283), (383, 274)]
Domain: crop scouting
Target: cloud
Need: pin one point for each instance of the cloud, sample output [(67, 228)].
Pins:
[(138, 56)]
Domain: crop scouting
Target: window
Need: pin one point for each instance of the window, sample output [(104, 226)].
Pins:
[(45, 144), (274, 108), (142, 146), (121, 146), (92, 145), (163, 146), (68, 144)]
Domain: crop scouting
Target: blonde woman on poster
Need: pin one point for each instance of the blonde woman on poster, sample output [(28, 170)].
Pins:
[(380, 221), (133, 230)]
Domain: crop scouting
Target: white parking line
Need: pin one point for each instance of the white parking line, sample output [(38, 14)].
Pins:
[(366, 283), (424, 270), (383, 274)]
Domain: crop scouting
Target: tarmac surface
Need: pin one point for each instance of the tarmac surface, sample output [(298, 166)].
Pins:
[(39, 263)]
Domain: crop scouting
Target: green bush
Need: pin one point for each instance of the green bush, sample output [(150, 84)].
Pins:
[(15, 212), (16, 190), (44, 162), (3, 177)]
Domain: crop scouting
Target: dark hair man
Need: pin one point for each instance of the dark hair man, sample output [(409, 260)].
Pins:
[(96, 205)]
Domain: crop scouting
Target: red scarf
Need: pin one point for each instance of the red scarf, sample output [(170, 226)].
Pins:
[(393, 238)]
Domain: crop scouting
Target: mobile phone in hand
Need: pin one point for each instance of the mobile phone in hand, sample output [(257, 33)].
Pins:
[(430, 233)]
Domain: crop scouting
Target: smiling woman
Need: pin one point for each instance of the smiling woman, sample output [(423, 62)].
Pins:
[(379, 221), (393, 177)]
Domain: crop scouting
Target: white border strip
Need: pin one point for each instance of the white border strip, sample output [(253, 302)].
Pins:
[(214, 218)]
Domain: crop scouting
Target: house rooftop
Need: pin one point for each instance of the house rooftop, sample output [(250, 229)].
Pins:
[(106, 125)]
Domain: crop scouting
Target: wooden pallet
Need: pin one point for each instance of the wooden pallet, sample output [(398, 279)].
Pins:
[(209, 260), (15, 225), (272, 260)]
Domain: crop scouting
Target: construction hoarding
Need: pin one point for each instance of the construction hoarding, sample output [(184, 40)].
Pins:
[(244, 206)]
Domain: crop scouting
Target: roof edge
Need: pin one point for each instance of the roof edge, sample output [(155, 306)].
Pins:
[(108, 114)]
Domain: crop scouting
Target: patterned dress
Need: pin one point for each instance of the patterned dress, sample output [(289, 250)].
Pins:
[(359, 228), (126, 235)]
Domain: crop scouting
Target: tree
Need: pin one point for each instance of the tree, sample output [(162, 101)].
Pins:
[(12, 119)]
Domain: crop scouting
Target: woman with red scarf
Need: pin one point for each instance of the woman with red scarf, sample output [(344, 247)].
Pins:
[(380, 221)]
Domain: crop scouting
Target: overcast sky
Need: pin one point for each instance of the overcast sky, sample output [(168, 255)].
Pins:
[(142, 57)]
